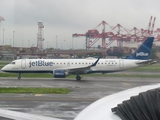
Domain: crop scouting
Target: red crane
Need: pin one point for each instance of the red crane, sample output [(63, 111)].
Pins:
[(92, 36), (115, 34)]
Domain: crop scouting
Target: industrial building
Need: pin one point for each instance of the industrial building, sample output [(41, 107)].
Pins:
[(125, 42)]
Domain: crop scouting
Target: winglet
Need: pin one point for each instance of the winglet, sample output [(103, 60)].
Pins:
[(143, 52), (94, 64)]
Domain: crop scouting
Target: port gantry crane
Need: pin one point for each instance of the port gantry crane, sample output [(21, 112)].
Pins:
[(119, 34)]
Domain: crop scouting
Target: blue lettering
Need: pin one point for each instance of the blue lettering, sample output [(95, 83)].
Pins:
[(33, 64), (30, 64), (51, 64), (46, 63), (40, 63), (36, 63)]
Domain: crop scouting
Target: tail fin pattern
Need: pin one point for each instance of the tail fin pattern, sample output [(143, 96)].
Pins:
[(144, 51)]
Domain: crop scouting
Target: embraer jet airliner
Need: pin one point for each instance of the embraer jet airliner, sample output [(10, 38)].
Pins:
[(60, 68)]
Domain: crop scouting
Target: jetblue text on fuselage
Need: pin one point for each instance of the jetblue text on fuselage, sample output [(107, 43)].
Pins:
[(40, 63), (141, 54)]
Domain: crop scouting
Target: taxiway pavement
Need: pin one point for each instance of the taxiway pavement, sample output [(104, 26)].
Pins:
[(66, 106)]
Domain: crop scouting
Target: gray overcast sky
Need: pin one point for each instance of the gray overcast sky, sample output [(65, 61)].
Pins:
[(66, 17)]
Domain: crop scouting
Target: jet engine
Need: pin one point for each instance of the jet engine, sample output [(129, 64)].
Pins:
[(60, 73)]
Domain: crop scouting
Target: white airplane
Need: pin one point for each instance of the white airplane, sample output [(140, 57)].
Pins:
[(60, 68), (140, 103)]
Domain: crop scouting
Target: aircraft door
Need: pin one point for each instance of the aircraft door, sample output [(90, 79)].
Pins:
[(23, 64), (121, 64)]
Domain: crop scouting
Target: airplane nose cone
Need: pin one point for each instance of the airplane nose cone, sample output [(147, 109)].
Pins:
[(4, 68)]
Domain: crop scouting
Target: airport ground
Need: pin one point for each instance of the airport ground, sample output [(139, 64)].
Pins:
[(69, 105)]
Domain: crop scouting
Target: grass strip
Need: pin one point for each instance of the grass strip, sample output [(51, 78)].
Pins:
[(4, 63), (34, 90), (27, 75), (37, 75), (132, 75), (123, 75), (150, 68)]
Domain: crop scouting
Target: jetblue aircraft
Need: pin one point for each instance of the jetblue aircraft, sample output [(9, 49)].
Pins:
[(60, 68)]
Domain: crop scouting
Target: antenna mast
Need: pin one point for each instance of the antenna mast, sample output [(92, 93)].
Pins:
[(40, 38)]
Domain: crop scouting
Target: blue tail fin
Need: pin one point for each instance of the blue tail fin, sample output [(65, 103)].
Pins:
[(143, 52)]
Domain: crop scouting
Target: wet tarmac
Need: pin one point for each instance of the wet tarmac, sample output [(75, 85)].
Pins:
[(66, 106)]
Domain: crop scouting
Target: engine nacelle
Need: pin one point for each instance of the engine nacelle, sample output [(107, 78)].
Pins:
[(60, 73)]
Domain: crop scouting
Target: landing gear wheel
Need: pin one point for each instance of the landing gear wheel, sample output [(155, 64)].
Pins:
[(19, 76), (78, 77)]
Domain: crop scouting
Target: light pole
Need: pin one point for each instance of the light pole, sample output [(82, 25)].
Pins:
[(22, 43), (3, 37), (61, 45), (28, 43), (72, 44), (56, 41), (66, 45), (13, 38), (6, 41)]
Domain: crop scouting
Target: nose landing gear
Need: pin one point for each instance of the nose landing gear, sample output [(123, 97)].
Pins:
[(19, 76)]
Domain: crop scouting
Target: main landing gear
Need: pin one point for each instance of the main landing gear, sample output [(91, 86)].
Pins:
[(78, 77), (19, 76)]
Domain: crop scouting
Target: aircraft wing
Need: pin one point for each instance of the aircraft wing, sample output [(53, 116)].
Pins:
[(81, 69), (147, 62), (14, 115), (111, 107)]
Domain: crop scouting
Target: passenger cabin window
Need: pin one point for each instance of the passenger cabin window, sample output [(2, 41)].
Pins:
[(13, 63)]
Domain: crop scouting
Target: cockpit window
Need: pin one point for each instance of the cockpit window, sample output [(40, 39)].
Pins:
[(13, 63)]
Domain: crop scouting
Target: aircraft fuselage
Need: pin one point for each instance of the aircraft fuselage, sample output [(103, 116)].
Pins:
[(49, 65)]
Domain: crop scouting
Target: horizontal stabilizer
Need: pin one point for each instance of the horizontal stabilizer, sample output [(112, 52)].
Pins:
[(148, 62)]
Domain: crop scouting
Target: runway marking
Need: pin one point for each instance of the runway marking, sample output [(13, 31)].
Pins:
[(37, 95), (126, 84)]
